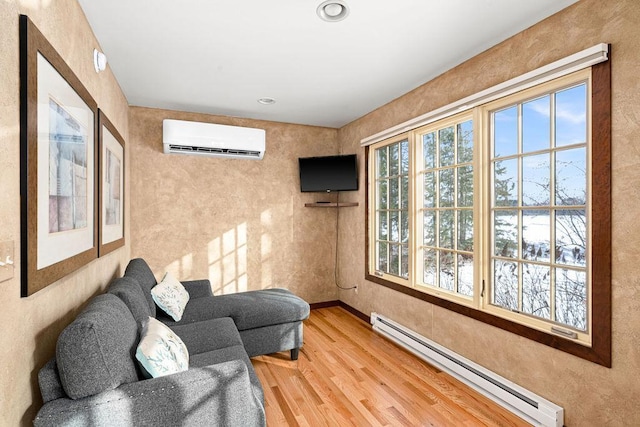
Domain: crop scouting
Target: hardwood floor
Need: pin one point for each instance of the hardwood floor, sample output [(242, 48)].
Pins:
[(347, 375)]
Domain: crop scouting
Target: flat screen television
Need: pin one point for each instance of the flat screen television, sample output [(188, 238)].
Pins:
[(329, 173)]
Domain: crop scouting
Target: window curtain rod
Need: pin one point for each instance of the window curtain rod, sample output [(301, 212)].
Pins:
[(577, 61)]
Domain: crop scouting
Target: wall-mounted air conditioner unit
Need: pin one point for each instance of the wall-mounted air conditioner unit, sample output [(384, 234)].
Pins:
[(208, 139)]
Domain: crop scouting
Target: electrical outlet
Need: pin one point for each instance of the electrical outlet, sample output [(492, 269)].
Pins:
[(355, 288), (6, 260)]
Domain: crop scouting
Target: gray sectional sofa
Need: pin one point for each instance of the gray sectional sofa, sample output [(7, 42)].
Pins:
[(95, 380)]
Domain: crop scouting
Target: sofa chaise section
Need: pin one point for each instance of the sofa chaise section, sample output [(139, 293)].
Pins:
[(269, 320)]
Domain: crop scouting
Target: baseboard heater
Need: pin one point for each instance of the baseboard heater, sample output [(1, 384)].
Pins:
[(525, 404)]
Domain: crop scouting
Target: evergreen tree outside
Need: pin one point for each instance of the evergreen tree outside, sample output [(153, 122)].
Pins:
[(448, 208)]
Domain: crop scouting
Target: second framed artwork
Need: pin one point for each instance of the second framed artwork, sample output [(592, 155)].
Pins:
[(111, 184)]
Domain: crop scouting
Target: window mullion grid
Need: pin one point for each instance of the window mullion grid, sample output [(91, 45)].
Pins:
[(518, 259), (416, 214), (423, 211), (455, 209), (388, 228), (552, 213), (387, 216), (396, 211), (375, 230), (389, 243), (436, 202), (379, 241), (400, 214), (552, 265), (388, 219), (488, 297), (456, 279), (390, 207), (520, 204)]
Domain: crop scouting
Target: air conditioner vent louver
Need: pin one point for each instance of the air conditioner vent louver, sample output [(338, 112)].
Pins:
[(212, 140), (228, 151)]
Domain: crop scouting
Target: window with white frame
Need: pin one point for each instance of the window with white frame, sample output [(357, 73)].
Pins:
[(391, 240), (445, 218), (540, 195), (491, 210)]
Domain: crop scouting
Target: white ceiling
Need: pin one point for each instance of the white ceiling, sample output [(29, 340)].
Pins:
[(219, 57)]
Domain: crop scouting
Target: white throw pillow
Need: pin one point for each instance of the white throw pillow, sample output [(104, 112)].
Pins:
[(170, 296), (161, 352)]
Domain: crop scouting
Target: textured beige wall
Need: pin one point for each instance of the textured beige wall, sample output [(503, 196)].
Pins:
[(30, 326), (240, 223), (591, 394)]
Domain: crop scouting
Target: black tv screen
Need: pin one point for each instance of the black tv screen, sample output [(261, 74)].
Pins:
[(330, 173)]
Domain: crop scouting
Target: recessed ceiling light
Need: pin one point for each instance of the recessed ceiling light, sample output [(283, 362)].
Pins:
[(332, 10), (267, 101)]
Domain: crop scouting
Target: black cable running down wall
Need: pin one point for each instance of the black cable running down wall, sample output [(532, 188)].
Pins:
[(335, 262)]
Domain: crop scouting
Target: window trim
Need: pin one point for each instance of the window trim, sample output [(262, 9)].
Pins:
[(600, 350)]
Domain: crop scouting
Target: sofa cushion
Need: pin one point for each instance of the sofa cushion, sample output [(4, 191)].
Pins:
[(198, 288), (96, 351), (208, 335), (235, 352), (170, 296), (225, 355), (49, 382), (139, 270), (248, 310), (268, 307), (161, 352), (130, 292), (214, 395)]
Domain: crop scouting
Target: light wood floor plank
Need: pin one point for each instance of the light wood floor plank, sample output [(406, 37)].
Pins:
[(388, 365), (348, 375)]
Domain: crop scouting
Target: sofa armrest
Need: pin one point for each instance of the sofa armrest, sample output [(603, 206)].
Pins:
[(218, 394), (208, 335), (198, 288)]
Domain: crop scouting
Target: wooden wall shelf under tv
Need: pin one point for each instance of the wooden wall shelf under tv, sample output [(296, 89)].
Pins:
[(330, 205)]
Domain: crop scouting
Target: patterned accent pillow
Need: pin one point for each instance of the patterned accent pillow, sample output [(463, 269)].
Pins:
[(170, 296), (161, 352)]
